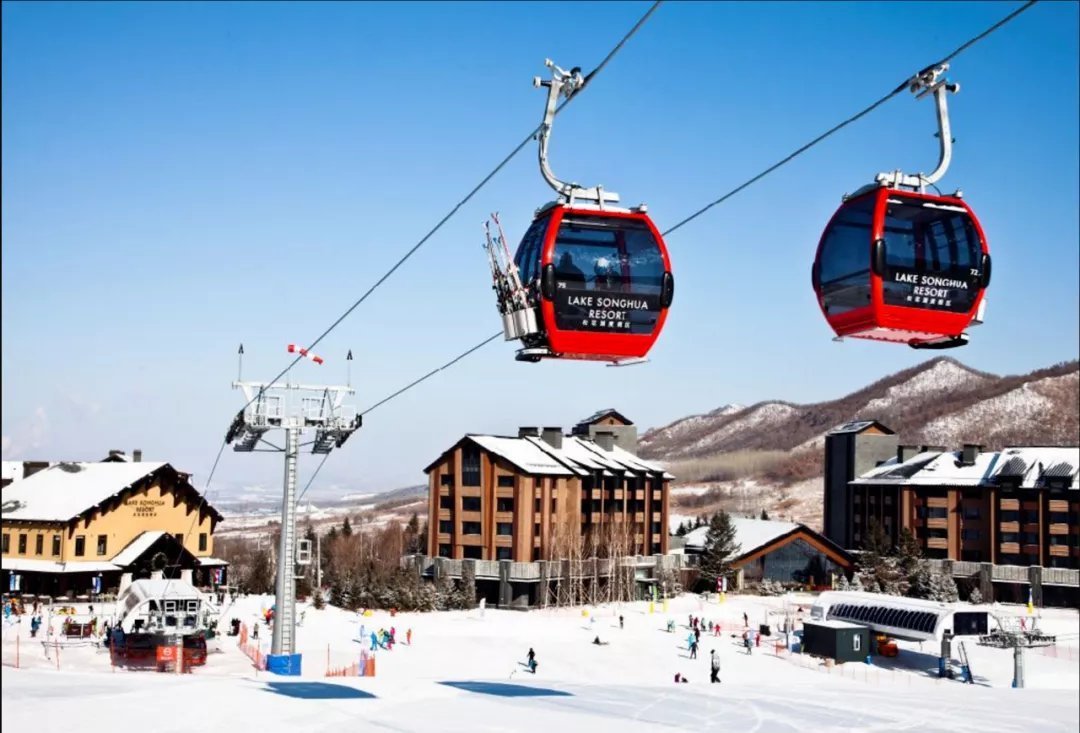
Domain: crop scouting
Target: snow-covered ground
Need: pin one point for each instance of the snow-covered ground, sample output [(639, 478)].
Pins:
[(465, 672)]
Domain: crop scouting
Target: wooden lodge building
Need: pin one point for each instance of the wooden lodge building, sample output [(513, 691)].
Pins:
[(118, 520), (540, 495)]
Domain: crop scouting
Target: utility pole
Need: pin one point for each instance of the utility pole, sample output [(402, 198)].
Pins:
[(293, 408), (318, 563)]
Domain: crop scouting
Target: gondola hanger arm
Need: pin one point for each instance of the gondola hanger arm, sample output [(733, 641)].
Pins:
[(565, 84), (930, 80)]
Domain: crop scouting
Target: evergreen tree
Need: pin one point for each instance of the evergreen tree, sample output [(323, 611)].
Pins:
[(764, 515), (468, 585), (260, 577), (682, 530), (331, 535), (346, 529), (975, 597), (720, 548)]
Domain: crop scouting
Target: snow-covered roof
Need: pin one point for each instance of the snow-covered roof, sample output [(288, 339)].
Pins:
[(137, 547), (857, 426), (1022, 467), (750, 534), (833, 624), (212, 562), (523, 454), (601, 414), (66, 490), (26, 565), (576, 452)]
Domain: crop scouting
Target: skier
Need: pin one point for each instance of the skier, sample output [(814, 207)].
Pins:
[(35, 624), (620, 621), (745, 620), (748, 642), (690, 640), (408, 637), (693, 650), (697, 634), (532, 660), (374, 641), (716, 630), (714, 664)]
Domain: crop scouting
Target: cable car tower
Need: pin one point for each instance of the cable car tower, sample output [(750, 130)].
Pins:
[(295, 409)]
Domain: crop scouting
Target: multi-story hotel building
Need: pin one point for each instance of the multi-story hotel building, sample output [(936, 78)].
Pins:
[(543, 494)]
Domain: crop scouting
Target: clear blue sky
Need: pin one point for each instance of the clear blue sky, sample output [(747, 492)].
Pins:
[(180, 178)]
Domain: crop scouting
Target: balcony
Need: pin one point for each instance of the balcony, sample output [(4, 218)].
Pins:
[(596, 493), (1059, 505), (1060, 528), (937, 543), (937, 523), (618, 495), (1010, 505), (1031, 549), (639, 494), (504, 516), (1059, 550), (1009, 548), (656, 517), (1012, 527), (656, 538), (657, 496), (504, 492), (639, 517)]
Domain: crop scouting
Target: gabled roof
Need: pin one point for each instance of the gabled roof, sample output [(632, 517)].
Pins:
[(578, 456), (523, 454), (601, 414), (858, 426), (1028, 468), (65, 491), (137, 547), (754, 534)]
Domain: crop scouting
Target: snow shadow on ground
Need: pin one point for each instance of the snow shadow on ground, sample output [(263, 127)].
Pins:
[(317, 691), (502, 689)]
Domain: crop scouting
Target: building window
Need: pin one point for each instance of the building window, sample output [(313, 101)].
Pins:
[(202, 541), (102, 543), (972, 512), (504, 528), (7, 543), (445, 526), (1010, 516), (971, 555), (472, 552), (80, 545), (504, 505), (1031, 516), (446, 502), (470, 465), (1059, 539), (937, 512), (22, 544), (506, 482), (553, 505), (1009, 538), (536, 529), (470, 528), (447, 480), (1031, 538), (937, 534), (470, 504), (971, 534), (56, 545), (503, 553), (39, 545), (536, 554), (538, 506), (444, 550), (856, 643), (1059, 517)]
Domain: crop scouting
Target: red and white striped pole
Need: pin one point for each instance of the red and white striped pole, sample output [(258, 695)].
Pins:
[(294, 349)]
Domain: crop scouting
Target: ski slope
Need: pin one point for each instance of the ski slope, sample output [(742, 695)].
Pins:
[(465, 672)]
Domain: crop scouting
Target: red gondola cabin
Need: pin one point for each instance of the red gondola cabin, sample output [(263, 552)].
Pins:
[(601, 279), (901, 266)]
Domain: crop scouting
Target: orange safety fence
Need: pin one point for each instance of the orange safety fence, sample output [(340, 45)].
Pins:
[(349, 664), (251, 649)]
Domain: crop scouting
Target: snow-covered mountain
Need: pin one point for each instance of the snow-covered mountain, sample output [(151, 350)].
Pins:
[(940, 401)]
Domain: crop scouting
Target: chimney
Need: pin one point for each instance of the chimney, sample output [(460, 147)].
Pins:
[(605, 439), (970, 453), (933, 449), (136, 455), (906, 452), (528, 432), (553, 437)]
